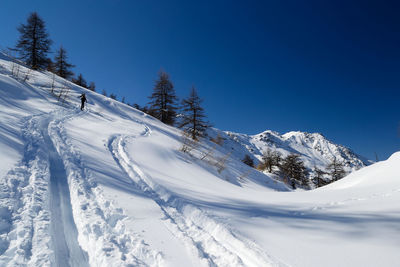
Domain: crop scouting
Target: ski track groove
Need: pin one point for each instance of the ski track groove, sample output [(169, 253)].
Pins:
[(211, 240), (24, 210), (63, 229), (100, 225), (27, 217)]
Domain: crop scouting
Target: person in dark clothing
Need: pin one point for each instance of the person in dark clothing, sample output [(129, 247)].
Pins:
[(83, 100)]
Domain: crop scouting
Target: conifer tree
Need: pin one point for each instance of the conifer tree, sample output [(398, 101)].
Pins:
[(113, 96), (294, 170), (318, 178), (336, 170), (80, 81), (193, 116), (163, 100), (62, 67), (34, 43)]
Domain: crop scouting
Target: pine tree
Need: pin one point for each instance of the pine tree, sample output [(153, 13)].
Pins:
[(294, 170), (318, 178), (80, 81), (336, 170), (62, 67), (34, 43), (163, 100), (193, 116), (113, 96)]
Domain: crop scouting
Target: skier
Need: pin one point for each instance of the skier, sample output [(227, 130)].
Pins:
[(83, 100)]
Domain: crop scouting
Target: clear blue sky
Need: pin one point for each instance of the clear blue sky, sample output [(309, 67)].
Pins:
[(317, 66)]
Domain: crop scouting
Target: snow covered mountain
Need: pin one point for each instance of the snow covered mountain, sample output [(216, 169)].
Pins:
[(109, 186), (314, 149)]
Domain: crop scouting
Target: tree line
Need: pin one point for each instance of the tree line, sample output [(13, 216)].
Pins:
[(33, 47), (292, 170)]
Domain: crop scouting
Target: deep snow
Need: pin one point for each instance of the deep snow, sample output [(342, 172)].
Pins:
[(109, 187)]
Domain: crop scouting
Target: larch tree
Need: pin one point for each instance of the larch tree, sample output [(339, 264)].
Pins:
[(270, 159), (61, 65), (294, 170), (34, 42), (336, 170), (80, 81), (193, 117), (163, 100), (318, 178)]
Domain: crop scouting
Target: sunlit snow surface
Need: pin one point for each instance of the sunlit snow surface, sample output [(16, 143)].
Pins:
[(109, 187)]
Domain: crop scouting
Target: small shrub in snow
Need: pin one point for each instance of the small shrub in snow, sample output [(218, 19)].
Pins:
[(248, 161), (188, 144), (221, 162), (219, 140), (244, 175)]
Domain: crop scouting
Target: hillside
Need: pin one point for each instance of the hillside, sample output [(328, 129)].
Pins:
[(108, 186), (314, 149)]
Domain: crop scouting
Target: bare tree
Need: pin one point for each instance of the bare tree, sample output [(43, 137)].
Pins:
[(163, 100), (80, 81), (34, 43), (336, 170), (270, 159), (193, 116), (318, 178), (61, 66)]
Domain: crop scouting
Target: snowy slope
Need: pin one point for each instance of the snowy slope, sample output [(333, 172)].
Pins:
[(109, 187), (314, 149)]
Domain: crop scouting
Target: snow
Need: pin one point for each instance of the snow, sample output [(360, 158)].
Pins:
[(108, 186), (313, 148)]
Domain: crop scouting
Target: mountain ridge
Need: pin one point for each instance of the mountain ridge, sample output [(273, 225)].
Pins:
[(314, 148)]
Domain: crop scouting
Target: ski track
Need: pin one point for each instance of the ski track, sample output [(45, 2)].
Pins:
[(35, 227), (53, 214), (100, 225), (63, 230), (208, 239), (25, 214)]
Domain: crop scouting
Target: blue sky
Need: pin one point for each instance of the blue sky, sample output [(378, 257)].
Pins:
[(317, 66)]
